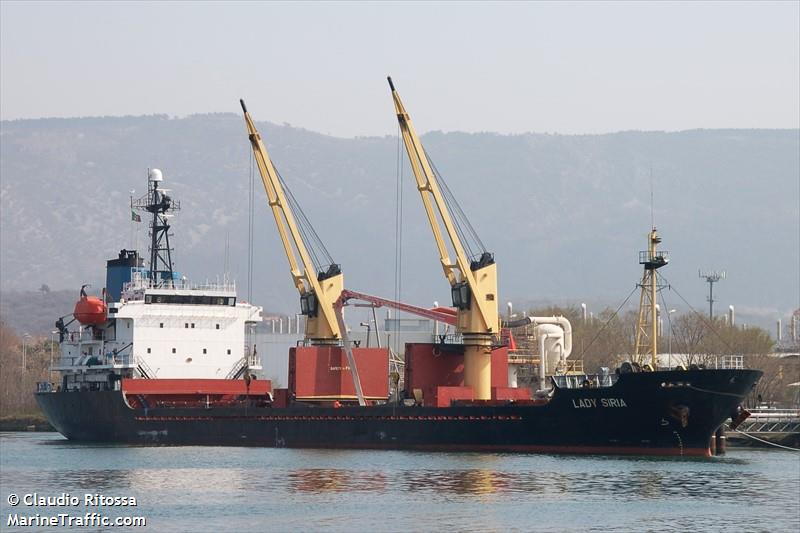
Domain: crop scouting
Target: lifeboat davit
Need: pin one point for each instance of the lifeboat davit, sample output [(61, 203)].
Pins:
[(90, 311)]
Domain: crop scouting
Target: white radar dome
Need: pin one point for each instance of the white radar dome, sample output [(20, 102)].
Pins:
[(155, 175)]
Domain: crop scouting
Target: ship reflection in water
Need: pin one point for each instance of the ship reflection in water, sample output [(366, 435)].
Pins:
[(640, 484), (203, 489)]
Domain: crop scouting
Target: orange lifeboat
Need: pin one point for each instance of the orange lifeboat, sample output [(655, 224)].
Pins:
[(90, 310)]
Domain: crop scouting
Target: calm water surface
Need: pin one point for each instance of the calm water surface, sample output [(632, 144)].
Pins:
[(201, 489)]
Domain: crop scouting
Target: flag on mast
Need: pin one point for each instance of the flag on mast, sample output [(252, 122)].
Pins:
[(135, 216)]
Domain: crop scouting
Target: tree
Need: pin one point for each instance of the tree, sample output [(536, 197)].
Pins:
[(689, 332), (771, 384), (17, 384)]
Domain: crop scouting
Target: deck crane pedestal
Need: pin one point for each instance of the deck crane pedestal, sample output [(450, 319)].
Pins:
[(473, 280)]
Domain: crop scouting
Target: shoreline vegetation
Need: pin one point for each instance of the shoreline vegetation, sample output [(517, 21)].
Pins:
[(34, 422), (24, 361)]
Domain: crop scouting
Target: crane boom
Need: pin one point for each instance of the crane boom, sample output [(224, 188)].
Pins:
[(473, 283), (318, 290), (377, 301), (478, 311)]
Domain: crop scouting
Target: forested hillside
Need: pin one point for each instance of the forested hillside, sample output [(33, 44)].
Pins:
[(564, 215)]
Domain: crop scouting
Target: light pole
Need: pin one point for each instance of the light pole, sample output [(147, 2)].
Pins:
[(583, 329), (25, 338), (369, 327), (669, 323), (657, 318), (711, 277)]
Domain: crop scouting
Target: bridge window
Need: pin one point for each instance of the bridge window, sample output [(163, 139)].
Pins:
[(189, 299)]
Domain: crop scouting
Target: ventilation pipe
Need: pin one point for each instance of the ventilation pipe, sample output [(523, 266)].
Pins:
[(551, 347), (560, 321), (555, 340)]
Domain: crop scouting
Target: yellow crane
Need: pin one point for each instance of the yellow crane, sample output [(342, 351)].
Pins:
[(473, 281), (319, 286)]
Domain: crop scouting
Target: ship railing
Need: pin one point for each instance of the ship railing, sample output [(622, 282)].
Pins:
[(762, 414), (254, 361), (251, 356), (144, 369), (450, 338), (729, 362), (98, 361), (239, 367), (140, 283), (575, 366), (520, 357), (758, 426), (83, 336), (573, 381)]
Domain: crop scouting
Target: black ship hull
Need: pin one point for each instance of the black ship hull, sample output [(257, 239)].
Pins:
[(647, 413)]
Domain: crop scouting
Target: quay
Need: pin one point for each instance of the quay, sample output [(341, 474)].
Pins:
[(767, 427)]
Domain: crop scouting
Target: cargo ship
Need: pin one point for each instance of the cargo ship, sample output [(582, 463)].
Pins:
[(157, 360), (456, 393)]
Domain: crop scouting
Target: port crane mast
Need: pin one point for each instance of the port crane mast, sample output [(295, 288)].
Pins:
[(473, 281), (319, 286)]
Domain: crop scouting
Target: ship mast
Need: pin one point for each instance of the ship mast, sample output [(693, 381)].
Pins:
[(647, 324), (162, 208)]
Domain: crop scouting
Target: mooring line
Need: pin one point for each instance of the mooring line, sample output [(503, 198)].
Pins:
[(766, 441)]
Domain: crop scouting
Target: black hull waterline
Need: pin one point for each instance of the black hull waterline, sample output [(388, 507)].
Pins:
[(647, 413)]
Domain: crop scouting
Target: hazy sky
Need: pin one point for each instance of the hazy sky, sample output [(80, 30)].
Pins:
[(505, 67)]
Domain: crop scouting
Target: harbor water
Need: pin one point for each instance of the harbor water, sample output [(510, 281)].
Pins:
[(202, 489)]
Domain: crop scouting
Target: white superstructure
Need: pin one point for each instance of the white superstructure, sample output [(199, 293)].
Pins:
[(182, 332), (155, 325)]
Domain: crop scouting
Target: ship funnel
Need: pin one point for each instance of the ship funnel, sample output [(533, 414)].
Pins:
[(155, 175)]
